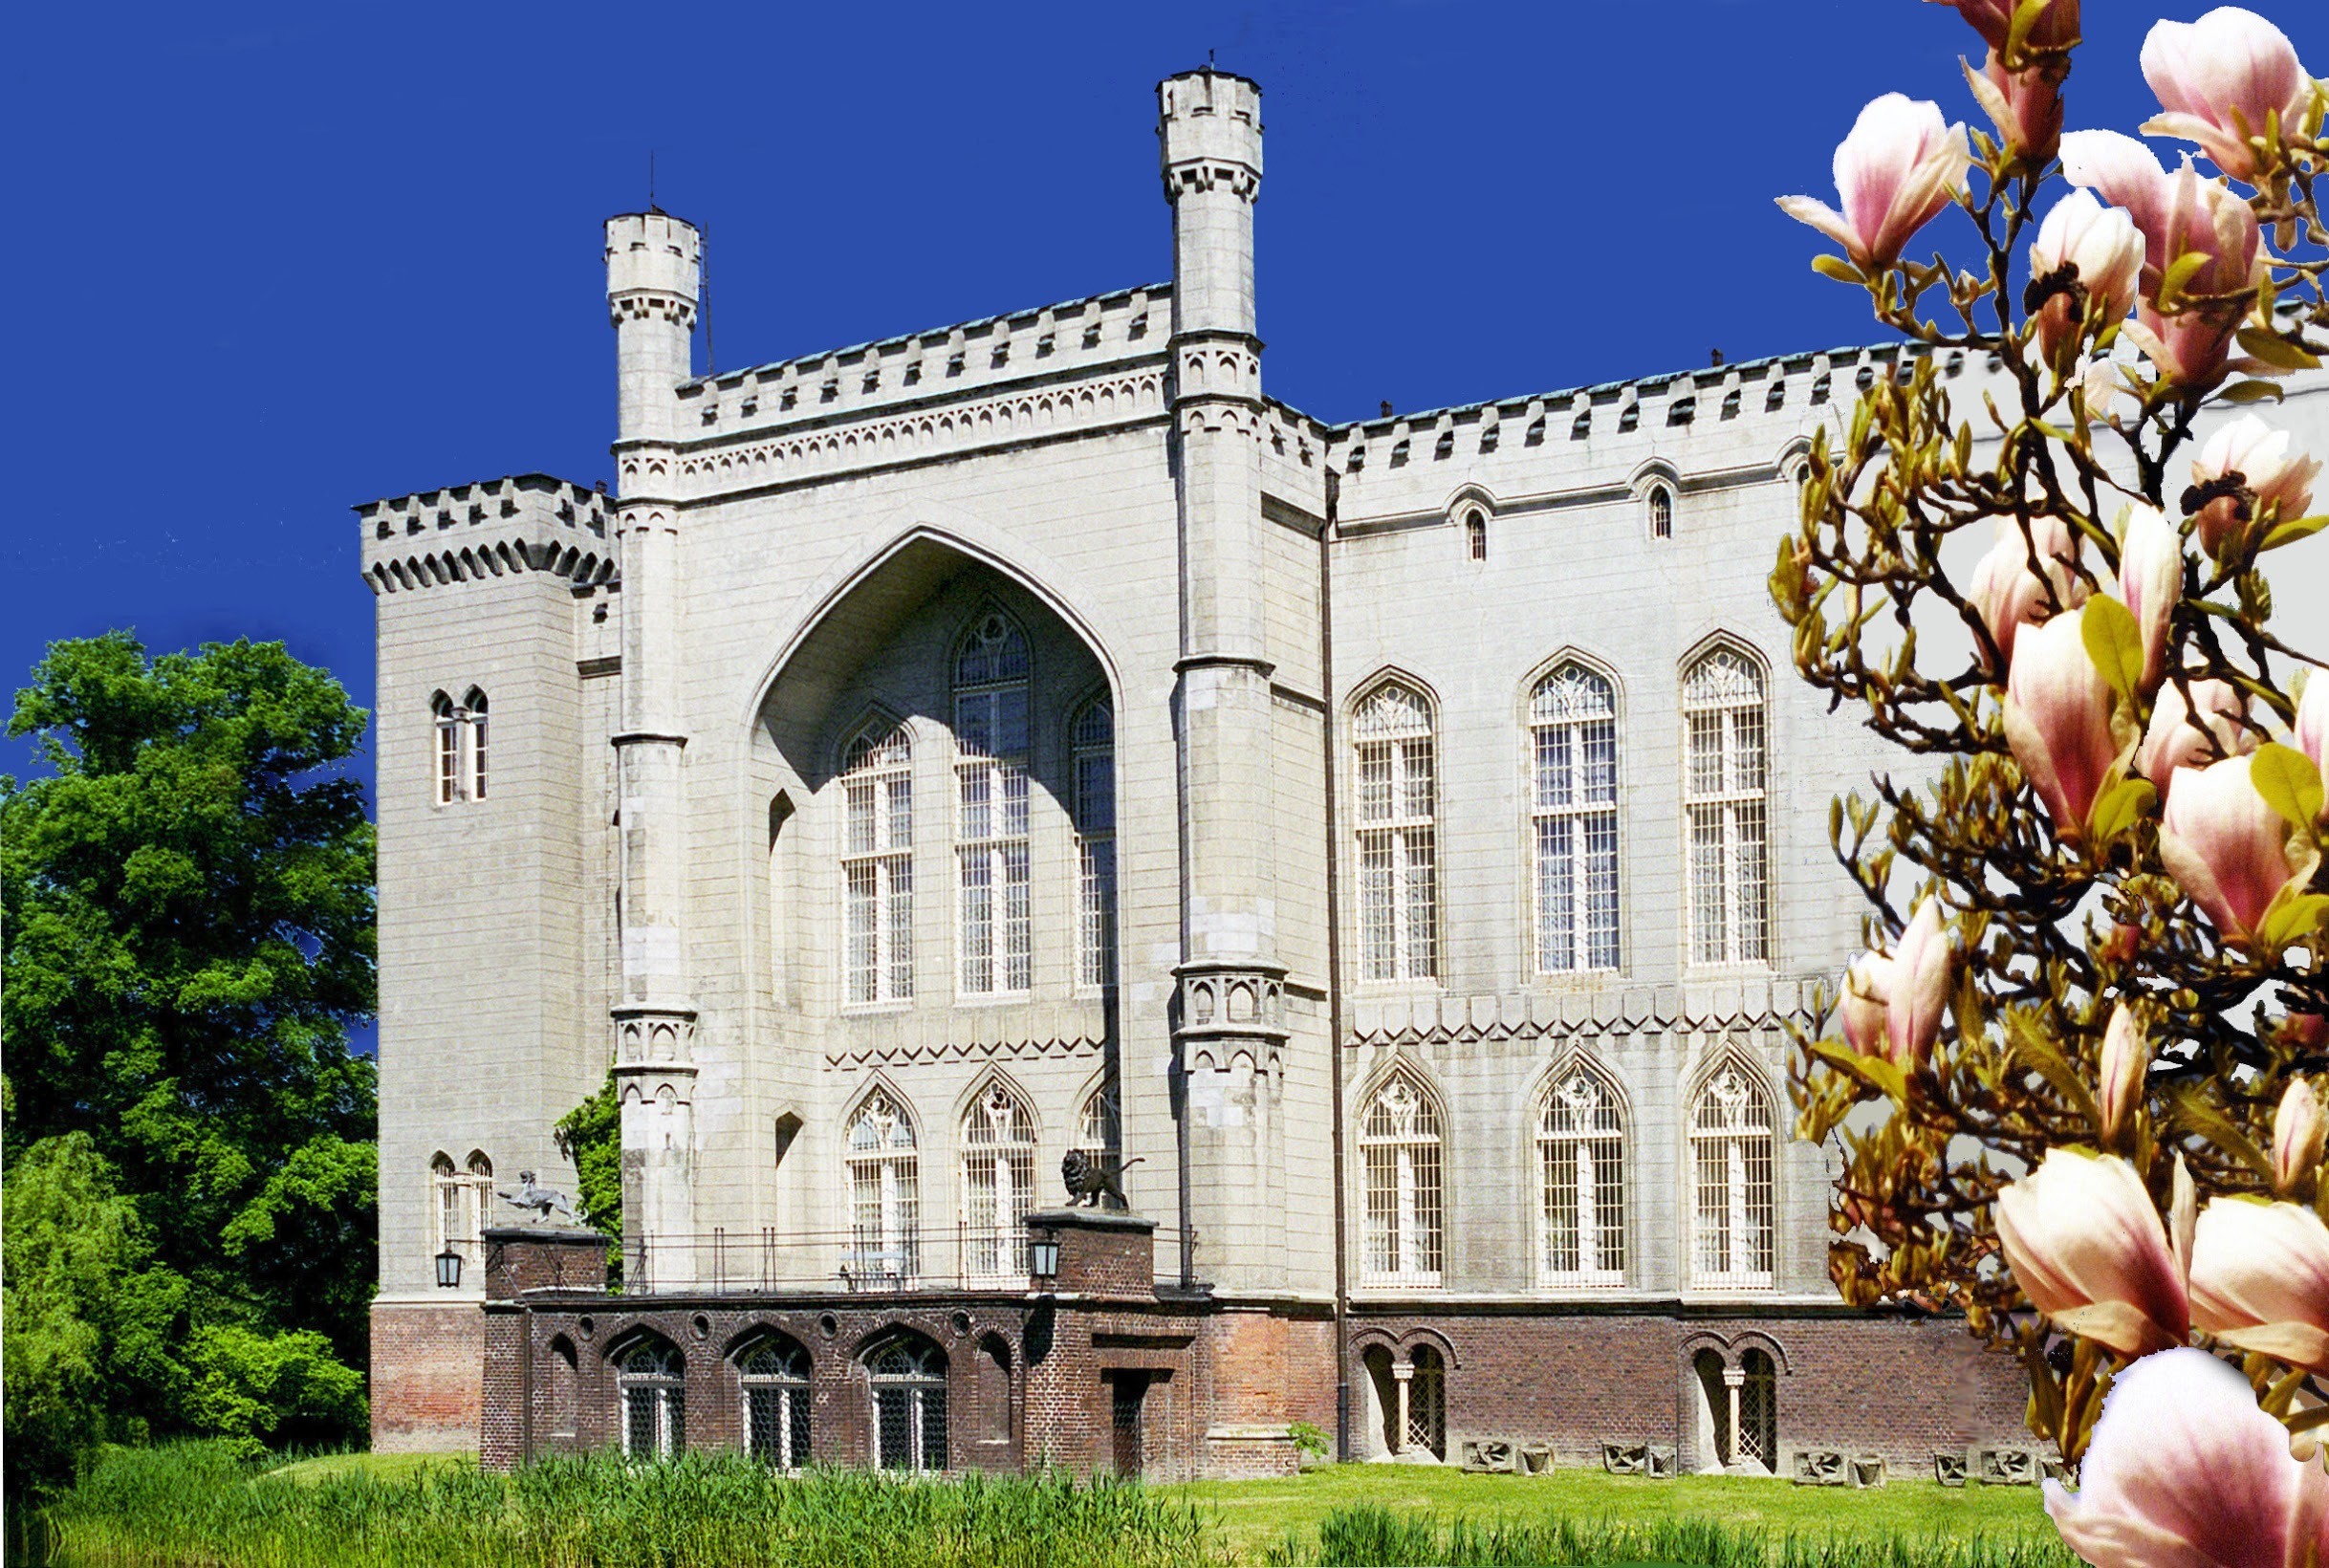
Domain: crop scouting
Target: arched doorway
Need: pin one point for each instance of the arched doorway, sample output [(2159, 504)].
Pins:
[(1714, 1402), (908, 1379), (1758, 1435), (1383, 1404), (1427, 1403)]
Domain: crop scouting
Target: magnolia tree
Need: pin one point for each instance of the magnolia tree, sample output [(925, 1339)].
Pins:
[(2077, 1079)]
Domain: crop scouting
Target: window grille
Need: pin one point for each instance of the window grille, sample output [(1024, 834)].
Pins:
[(1730, 1140), (998, 1184), (1758, 1435), (1427, 1403), (883, 1170), (1398, 885), (1722, 700), (1581, 1144), (1101, 1128), (1398, 1141), (1094, 744), (776, 1378), (991, 738), (909, 1393), (1475, 536), (650, 1380), (1573, 718), (878, 866), (1662, 513)]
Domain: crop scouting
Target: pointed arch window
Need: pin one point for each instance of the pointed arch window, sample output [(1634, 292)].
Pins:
[(1093, 742), (1730, 1145), (650, 1379), (995, 953), (1660, 512), (448, 748), (476, 704), (460, 732), (459, 1207), (1398, 1141), (1573, 726), (908, 1378), (1475, 535), (1723, 793), (776, 1378), (1396, 762), (878, 866), (998, 1184), (1580, 1148), (881, 1165)]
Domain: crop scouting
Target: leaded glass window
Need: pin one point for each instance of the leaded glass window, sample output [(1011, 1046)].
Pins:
[(777, 1402), (650, 1378), (908, 1378)]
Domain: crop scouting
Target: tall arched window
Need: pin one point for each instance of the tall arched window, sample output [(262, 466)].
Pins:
[(1398, 885), (776, 1378), (1572, 719), (1092, 740), (460, 731), (448, 725), (1722, 703), (991, 738), (650, 1380), (998, 1183), (1398, 1141), (461, 1197), (878, 866), (476, 704), (883, 1170), (1730, 1143), (1580, 1146), (1660, 512), (1475, 535), (908, 1376)]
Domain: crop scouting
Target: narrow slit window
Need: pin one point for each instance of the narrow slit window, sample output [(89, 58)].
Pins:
[(1662, 513), (1475, 536)]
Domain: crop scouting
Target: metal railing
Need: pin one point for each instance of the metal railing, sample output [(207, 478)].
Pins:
[(769, 1261)]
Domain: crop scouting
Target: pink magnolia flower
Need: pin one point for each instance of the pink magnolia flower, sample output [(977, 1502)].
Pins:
[(2300, 1134), (2058, 721), (2175, 738), (1867, 994), (2261, 1280), (2311, 735), (2150, 581), (2226, 846), (2219, 78), (1919, 987), (2025, 106), (1899, 167), (2087, 1247), (2085, 255), (2183, 1470), (2009, 593), (2245, 469), (2126, 1062), (2056, 26), (2177, 214)]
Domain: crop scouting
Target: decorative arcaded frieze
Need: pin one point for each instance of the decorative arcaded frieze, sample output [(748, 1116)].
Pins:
[(1226, 1013), (906, 1053), (1204, 369), (1395, 1020)]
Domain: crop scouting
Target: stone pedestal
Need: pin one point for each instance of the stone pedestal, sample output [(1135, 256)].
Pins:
[(542, 1257), (1101, 1252)]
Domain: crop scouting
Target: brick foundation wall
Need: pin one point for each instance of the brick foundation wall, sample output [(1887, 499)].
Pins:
[(425, 1385)]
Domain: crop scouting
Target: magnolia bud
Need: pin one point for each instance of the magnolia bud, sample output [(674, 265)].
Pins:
[(2127, 1061), (2299, 1133)]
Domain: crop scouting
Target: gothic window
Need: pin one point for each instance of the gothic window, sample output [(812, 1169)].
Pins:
[(1101, 1127), (1660, 512), (883, 1170), (1572, 720), (908, 1376), (461, 1197), (1722, 702), (459, 746), (1475, 535), (1398, 885), (878, 866), (1730, 1143), (998, 1183), (1580, 1147), (1092, 740), (991, 738), (776, 1378), (1398, 1141), (649, 1379)]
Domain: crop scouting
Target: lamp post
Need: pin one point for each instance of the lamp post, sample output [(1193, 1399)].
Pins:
[(448, 1269)]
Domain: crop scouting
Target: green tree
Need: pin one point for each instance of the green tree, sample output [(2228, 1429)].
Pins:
[(592, 1136), (188, 901)]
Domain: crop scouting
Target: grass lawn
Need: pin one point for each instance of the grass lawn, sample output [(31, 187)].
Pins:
[(1254, 1514), (380, 1467)]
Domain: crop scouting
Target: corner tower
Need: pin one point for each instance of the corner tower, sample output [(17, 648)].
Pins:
[(1228, 1017), (654, 269)]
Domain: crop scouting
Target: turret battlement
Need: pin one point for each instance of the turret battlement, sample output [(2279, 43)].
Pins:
[(654, 266), (491, 527), (1209, 132)]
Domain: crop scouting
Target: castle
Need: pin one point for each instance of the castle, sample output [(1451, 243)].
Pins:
[(1397, 846)]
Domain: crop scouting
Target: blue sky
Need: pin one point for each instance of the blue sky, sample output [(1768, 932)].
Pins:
[(276, 261)]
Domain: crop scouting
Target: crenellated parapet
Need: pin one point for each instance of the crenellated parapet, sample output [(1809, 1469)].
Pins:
[(525, 523)]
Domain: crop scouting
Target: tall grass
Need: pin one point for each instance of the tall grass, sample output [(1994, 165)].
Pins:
[(1367, 1537), (194, 1506)]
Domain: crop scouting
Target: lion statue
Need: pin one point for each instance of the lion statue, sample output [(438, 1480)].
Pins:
[(1094, 1180)]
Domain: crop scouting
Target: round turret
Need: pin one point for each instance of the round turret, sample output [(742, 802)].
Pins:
[(654, 279)]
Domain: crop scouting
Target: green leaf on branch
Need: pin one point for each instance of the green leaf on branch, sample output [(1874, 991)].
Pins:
[(2289, 782), (1876, 1072), (2033, 1050), (2195, 1115), (2292, 917), (2179, 273), (2253, 392), (2119, 808), (2293, 530), (1839, 268), (2114, 643), (2275, 350)]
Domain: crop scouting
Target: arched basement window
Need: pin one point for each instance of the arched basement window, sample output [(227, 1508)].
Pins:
[(776, 1378), (650, 1379), (908, 1378)]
